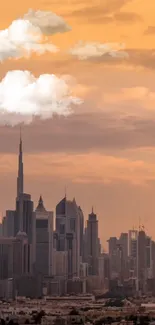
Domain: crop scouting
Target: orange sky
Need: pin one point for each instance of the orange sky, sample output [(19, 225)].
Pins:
[(105, 152)]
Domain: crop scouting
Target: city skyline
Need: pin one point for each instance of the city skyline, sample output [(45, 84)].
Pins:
[(104, 152), (21, 191), (60, 254)]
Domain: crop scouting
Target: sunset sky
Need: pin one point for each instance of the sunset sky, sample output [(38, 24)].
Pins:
[(103, 153)]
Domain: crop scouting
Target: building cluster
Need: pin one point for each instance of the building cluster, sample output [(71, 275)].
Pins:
[(43, 253), (132, 263)]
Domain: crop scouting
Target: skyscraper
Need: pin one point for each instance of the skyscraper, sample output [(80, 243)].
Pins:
[(92, 243), (142, 261), (14, 256), (133, 253), (20, 177), (149, 257), (112, 248), (43, 239), (13, 220), (68, 233), (24, 215), (123, 243)]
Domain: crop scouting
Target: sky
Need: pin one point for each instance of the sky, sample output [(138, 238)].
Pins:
[(104, 152)]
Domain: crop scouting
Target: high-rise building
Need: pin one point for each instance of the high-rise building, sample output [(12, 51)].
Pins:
[(20, 177), (153, 258), (21, 219), (43, 245), (113, 256), (149, 266), (14, 256), (133, 253), (123, 243), (4, 227), (142, 263), (81, 233), (92, 243), (61, 264), (104, 269), (68, 233), (24, 215), (10, 221)]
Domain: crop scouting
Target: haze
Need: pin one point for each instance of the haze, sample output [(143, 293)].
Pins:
[(104, 153)]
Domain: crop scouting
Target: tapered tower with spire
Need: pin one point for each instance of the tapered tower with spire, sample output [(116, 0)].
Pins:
[(20, 178)]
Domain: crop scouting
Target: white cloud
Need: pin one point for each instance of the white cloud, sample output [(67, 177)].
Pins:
[(22, 97), (96, 50), (26, 35), (48, 22)]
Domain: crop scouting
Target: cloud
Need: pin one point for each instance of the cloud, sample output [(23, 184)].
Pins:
[(102, 12), (108, 133), (126, 17), (26, 35), (137, 96), (150, 30), (105, 7), (118, 17), (49, 23), (80, 168), (97, 50), (23, 97), (139, 58)]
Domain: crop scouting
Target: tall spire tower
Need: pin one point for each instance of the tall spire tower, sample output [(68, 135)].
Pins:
[(20, 178)]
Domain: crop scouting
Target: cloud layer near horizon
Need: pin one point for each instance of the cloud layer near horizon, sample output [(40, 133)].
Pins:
[(82, 133)]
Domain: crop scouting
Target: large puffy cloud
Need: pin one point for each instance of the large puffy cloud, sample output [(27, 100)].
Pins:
[(21, 39), (96, 50), (26, 35), (22, 96)]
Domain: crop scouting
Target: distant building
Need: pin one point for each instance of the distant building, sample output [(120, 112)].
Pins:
[(133, 254), (43, 234), (142, 262), (1, 230), (24, 215), (10, 221), (149, 264), (14, 256), (68, 233), (61, 264), (114, 257), (92, 243), (29, 286), (123, 243)]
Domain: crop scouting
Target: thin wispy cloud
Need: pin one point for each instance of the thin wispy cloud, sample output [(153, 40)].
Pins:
[(84, 50), (150, 30)]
